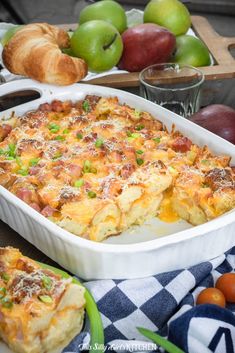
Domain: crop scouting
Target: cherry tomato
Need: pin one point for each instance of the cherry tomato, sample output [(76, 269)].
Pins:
[(226, 283), (211, 296)]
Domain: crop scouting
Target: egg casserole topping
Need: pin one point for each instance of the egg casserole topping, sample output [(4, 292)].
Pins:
[(96, 167)]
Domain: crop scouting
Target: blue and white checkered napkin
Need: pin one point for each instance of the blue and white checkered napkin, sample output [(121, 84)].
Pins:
[(163, 303)]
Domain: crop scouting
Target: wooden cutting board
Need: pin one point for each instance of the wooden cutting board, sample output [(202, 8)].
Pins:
[(218, 46)]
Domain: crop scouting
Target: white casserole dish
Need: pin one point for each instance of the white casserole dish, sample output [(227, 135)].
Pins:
[(142, 251)]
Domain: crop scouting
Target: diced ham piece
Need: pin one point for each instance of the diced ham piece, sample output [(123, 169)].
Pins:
[(129, 153), (5, 130), (25, 195), (92, 99), (35, 206), (112, 188), (127, 170), (24, 265), (57, 106), (45, 107), (34, 170), (48, 211), (91, 137), (181, 144), (87, 185), (75, 170)]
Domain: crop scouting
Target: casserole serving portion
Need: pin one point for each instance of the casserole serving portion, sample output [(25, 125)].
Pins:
[(40, 311), (99, 162)]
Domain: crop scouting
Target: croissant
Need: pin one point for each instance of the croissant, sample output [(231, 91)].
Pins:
[(35, 51)]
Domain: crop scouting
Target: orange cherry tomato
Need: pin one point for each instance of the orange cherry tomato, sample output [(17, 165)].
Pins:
[(226, 283), (211, 296)]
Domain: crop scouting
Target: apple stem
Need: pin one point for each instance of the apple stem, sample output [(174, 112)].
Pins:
[(109, 44)]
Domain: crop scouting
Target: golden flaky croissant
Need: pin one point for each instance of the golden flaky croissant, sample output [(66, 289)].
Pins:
[(35, 51)]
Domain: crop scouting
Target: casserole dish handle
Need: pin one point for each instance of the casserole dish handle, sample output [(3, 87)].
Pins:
[(45, 90), (27, 84)]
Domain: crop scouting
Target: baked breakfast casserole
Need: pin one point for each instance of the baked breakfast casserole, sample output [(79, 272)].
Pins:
[(96, 167), (39, 310)]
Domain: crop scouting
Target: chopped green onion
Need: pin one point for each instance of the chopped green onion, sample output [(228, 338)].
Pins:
[(5, 277), (93, 170), (139, 161), (78, 183), (47, 282), (34, 161), (86, 106), (23, 171), (87, 166), (59, 138), (133, 134), (139, 151), (47, 299), (79, 136), (159, 340), (54, 131), (171, 169), (7, 303), (57, 155), (137, 113), (11, 150), (54, 127), (2, 151), (18, 161), (2, 292), (65, 131), (99, 143), (96, 325), (10, 158), (91, 194), (157, 139), (139, 127), (205, 161)]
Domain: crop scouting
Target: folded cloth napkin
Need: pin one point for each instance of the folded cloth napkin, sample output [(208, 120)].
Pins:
[(165, 304)]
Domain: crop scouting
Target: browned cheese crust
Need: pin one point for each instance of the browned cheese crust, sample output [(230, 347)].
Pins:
[(96, 167)]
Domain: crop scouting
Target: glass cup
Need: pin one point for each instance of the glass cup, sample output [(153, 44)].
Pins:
[(173, 86)]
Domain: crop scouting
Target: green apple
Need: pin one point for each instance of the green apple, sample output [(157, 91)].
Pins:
[(99, 43), (9, 34), (106, 10), (171, 14), (191, 51)]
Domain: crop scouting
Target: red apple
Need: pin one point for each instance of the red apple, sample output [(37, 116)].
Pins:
[(145, 45), (217, 118)]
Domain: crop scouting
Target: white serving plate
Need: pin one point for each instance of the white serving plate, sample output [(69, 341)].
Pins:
[(140, 251)]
